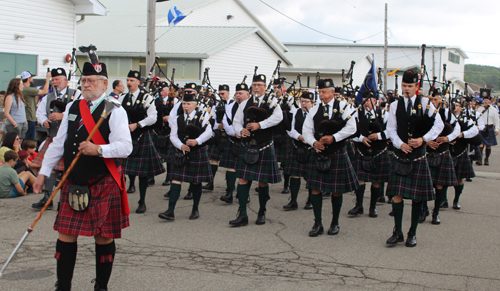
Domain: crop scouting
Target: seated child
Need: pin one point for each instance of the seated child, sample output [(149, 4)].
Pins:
[(12, 184)]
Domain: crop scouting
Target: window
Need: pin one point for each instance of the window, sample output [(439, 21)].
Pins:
[(185, 69), (117, 67), (454, 58), (163, 66)]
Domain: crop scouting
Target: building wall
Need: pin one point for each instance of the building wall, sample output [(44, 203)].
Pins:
[(48, 27)]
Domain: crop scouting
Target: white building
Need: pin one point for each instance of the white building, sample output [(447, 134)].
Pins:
[(37, 35)]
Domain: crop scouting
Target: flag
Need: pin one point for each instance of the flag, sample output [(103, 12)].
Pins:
[(174, 16), (370, 84)]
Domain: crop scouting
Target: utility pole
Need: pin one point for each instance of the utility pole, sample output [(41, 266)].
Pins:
[(150, 51), (385, 51)]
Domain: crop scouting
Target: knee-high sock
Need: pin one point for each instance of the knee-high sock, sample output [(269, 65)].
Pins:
[(425, 207), (437, 202), (169, 170), (317, 202), (50, 182), (458, 192), (132, 180), (243, 192), (481, 149), (294, 188), (263, 198), (444, 196), (230, 181), (66, 258), (360, 193), (374, 194), (398, 215), (488, 152), (214, 169), (196, 188), (336, 207), (382, 188), (143, 186), (416, 209), (286, 181), (175, 192), (104, 257)]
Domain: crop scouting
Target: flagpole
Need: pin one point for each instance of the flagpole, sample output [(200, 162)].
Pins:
[(150, 51)]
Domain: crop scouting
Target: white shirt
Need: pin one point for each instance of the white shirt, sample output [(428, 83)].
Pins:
[(205, 135), (479, 121), (120, 141), (348, 130), (229, 129), (151, 111), (490, 117), (41, 111), (271, 121), (385, 117), (392, 123), (294, 133)]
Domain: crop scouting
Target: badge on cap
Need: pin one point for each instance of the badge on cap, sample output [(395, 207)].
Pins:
[(97, 68), (243, 86), (262, 77), (327, 84), (136, 75), (59, 71), (193, 86)]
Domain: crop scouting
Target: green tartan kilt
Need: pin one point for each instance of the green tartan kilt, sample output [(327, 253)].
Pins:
[(283, 152), (266, 170), (341, 177), (228, 160), (444, 174), (464, 168), (164, 152), (351, 150), (215, 152), (147, 162), (294, 168), (418, 184), (197, 169), (381, 172)]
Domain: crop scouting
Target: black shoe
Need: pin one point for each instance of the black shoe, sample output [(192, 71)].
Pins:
[(381, 199), (486, 162), (395, 238), (444, 204), (97, 287), (468, 179), (479, 163), (411, 240), (326, 194), (423, 215), (209, 186), (131, 189), (456, 205), (248, 199), (151, 181), (40, 204), (141, 208), (435, 219), (390, 199), (257, 189), (168, 215), (285, 190), (195, 214), (356, 210), (228, 198), (373, 212), (308, 205), (167, 194), (291, 206), (239, 221), (334, 229), (166, 182), (316, 230), (261, 218), (188, 196)]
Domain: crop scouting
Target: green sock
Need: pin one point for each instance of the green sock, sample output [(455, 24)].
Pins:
[(175, 192), (132, 180), (263, 198), (317, 202), (336, 206), (416, 209), (398, 215), (458, 192), (360, 193), (230, 181), (214, 170), (196, 189), (243, 192), (143, 186), (294, 188)]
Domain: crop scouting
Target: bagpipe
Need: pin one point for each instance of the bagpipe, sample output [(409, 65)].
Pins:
[(58, 105)]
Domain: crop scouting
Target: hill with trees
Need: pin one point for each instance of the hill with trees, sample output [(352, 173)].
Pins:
[(479, 74)]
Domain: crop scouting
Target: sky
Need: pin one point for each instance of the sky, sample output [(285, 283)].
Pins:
[(474, 26)]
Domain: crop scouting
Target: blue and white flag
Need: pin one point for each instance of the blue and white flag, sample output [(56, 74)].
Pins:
[(174, 16), (370, 84)]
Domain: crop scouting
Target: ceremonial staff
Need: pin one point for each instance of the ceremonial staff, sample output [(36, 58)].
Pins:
[(110, 104)]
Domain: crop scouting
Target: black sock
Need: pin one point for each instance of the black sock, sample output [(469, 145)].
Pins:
[(169, 170), (287, 181), (214, 169), (336, 207), (294, 188), (398, 215), (143, 186), (416, 209), (230, 181), (132, 180), (437, 202), (458, 192), (360, 193), (488, 152), (425, 207), (104, 257), (66, 258), (196, 189), (374, 194), (243, 191), (263, 198), (317, 203), (175, 192)]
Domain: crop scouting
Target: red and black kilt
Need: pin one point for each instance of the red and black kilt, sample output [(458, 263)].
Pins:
[(103, 216), (418, 184), (341, 177), (491, 139), (147, 162), (295, 168), (228, 160), (266, 170), (380, 174), (283, 152), (464, 167), (444, 174), (197, 169), (41, 154)]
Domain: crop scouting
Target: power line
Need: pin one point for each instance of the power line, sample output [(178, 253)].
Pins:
[(329, 35), (363, 11)]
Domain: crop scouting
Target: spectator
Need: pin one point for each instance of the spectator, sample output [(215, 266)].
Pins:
[(30, 94), (15, 109), (2, 116), (12, 184), (22, 163), (30, 147), (118, 88), (10, 143)]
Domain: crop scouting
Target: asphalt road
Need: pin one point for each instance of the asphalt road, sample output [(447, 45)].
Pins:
[(207, 254)]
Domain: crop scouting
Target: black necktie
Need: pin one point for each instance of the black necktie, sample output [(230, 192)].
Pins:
[(409, 107), (327, 110)]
